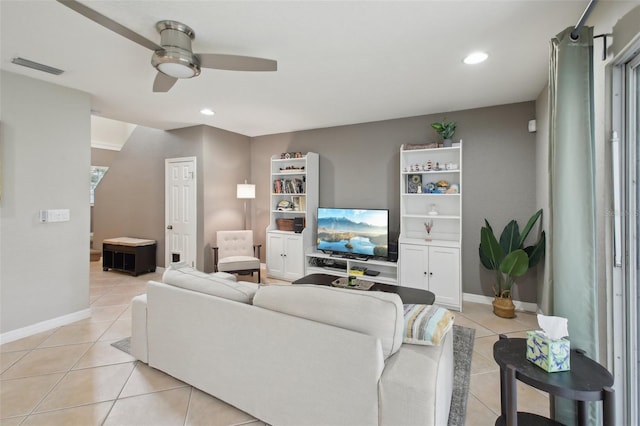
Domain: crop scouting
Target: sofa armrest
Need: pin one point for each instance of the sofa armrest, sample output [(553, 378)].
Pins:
[(139, 328), (416, 385)]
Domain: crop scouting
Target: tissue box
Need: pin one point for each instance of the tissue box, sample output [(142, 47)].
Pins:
[(550, 355)]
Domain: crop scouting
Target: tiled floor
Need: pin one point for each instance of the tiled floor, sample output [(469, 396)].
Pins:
[(73, 376)]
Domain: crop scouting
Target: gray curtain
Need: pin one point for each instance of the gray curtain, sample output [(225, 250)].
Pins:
[(572, 242)]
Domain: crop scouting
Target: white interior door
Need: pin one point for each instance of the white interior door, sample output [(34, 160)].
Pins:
[(180, 210)]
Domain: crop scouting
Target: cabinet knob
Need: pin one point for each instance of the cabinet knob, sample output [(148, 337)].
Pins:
[(431, 273), (169, 227)]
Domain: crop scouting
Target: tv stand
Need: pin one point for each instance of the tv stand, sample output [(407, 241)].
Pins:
[(348, 256), (339, 264)]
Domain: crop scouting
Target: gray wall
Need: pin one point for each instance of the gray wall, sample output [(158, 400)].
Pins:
[(359, 167), (130, 198), (103, 157), (226, 163), (129, 202), (44, 268)]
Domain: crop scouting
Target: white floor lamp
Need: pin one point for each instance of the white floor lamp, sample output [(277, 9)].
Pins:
[(246, 191)]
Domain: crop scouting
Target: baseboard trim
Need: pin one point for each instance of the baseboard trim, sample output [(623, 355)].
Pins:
[(39, 327), (487, 300)]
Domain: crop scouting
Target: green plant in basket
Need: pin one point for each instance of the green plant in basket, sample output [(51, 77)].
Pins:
[(508, 257)]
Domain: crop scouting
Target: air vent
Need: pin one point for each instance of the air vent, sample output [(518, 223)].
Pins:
[(36, 66)]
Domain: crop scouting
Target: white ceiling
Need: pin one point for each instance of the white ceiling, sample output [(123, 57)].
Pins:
[(339, 62)]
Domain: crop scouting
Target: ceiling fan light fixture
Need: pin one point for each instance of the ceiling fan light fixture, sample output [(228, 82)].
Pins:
[(176, 63), (176, 58), (475, 58), (177, 70)]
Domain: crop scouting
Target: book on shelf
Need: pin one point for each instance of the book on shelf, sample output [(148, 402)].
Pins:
[(288, 186)]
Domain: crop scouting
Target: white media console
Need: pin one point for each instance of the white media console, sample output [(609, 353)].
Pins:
[(322, 263)]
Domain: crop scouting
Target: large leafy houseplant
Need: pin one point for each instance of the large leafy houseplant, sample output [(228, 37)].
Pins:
[(508, 257), (446, 130)]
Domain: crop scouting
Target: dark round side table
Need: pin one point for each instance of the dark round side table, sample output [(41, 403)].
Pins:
[(586, 381)]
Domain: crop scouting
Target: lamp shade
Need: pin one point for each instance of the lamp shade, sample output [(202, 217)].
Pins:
[(246, 190)]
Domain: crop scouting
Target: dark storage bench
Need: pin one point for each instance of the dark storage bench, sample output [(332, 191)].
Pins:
[(131, 255)]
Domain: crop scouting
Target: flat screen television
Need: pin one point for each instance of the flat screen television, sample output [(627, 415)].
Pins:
[(360, 233)]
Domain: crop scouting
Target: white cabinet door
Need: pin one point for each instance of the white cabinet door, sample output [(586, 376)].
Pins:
[(414, 266), (293, 257), (275, 250), (444, 275), (285, 255)]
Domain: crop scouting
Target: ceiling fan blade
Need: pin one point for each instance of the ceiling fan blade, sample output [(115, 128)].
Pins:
[(163, 82), (109, 23), (236, 63)]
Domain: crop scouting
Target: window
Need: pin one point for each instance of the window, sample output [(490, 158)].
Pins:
[(97, 173), (626, 174)]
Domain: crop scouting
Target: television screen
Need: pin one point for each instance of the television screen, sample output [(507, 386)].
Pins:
[(357, 232)]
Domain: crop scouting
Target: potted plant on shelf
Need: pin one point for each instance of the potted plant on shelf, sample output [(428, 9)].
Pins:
[(446, 130), (510, 259)]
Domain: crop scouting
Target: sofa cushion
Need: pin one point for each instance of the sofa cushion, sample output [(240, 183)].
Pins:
[(373, 313), (181, 275), (426, 324), (238, 263)]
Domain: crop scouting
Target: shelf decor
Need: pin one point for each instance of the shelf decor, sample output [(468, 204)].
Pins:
[(292, 202), (433, 261)]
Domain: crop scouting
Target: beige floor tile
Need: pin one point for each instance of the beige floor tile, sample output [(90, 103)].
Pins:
[(27, 343), (82, 333), (484, 345), (99, 290), (7, 359), (18, 397), (205, 410), (131, 289), (88, 386), (479, 414), (126, 314), (482, 364), (13, 421), (496, 324), (86, 415), (486, 388), (145, 379), (119, 330), (102, 353), (532, 400), (529, 321), (113, 299), (106, 313), (46, 361), (161, 408), (466, 322)]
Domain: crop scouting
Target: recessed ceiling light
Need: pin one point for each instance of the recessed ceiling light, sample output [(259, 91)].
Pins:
[(206, 111), (476, 58)]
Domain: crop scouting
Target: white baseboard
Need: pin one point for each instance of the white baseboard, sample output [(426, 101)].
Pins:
[(487, 300), (39, 327)]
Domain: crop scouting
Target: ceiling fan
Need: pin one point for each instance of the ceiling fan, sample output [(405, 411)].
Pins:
[(173, 58)]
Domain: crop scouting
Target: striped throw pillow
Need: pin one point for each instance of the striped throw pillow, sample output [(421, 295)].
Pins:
[(426, 324)]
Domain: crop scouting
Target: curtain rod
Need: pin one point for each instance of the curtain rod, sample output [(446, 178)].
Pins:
[(576, 31)]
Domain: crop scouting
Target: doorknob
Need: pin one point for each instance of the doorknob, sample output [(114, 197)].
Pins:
[(169, 227)]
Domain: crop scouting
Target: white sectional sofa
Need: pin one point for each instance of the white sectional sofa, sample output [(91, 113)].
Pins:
[(294, 354)]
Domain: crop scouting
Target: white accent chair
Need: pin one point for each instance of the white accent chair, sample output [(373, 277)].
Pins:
[(235, 253)]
